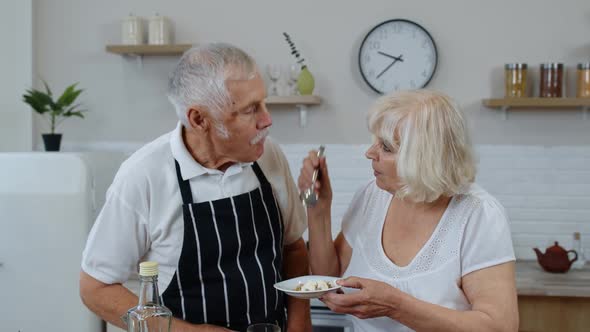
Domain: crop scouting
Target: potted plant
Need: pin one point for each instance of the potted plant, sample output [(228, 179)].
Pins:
[(305, 81), (55, 111)]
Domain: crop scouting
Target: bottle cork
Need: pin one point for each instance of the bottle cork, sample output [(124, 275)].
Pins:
[(148, 269)]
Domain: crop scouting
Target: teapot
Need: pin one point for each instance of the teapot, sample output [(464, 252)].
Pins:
[(555, 259)]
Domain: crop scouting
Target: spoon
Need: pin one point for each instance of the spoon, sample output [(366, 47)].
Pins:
[(309, 196)]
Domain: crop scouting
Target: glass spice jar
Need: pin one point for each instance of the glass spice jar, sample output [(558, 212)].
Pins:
[(551, 82), (515, 80), (583, 90)]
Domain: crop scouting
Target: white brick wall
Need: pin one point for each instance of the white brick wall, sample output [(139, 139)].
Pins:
[(545, 190)]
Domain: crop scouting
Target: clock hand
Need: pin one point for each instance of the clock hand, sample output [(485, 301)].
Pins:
[(384, 70), (391, 56), (391, 64)]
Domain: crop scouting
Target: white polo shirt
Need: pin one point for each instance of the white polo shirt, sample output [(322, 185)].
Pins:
[(142, 216)]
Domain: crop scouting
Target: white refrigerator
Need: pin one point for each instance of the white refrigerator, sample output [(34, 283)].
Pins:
[(46, 211)]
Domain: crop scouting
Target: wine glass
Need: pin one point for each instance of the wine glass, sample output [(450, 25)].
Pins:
[(274, 73), (294, 71), (263, 327)]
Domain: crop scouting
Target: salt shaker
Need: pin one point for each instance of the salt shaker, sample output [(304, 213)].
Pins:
[(579, 248)]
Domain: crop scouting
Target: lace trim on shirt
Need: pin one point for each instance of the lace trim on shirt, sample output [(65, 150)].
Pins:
[(443, 246)]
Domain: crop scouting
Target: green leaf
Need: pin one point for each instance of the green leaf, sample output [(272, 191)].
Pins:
[(39, 101), (72, 111), (69, 96), (78, 114), (35, 104), (41, 97), (47, 88), (72, 108)]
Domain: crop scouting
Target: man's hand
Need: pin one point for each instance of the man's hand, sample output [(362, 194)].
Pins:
[(107, 301), (295, 264), (110, 301)]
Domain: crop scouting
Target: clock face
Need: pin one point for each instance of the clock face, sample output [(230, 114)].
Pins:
[(397, 55)]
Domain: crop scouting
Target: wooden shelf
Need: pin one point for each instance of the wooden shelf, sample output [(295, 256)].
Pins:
[(293, 100), (536, 102), (141, 50), (300, 102)]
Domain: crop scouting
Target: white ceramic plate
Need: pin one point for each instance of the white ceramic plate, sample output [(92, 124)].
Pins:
[(288, 286)]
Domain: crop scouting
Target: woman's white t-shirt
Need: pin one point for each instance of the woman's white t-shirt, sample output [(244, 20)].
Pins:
[(472, 234)]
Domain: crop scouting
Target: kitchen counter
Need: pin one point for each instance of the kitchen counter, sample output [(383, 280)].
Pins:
[(546, 301), (532, 280)]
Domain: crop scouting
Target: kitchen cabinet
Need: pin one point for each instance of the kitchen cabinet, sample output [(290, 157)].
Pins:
[(552, 301), (554, 313)]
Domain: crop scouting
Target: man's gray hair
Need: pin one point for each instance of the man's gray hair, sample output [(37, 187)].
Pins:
[(200, 75)]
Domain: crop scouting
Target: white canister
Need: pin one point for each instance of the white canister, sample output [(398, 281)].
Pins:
[(159, 30), (132, 31)]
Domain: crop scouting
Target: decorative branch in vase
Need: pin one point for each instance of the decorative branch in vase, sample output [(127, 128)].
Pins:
[(305, 80)]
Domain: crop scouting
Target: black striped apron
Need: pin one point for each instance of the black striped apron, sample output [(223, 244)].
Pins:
[(231, 257)]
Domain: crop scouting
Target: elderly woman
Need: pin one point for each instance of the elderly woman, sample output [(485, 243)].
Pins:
[(426, 248)]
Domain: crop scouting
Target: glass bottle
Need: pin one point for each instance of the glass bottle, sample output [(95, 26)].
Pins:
[(149, 315), (515, 80), (551, 82), (583, 90), (577, 246)]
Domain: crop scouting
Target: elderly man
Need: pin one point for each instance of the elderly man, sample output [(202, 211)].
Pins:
[(213, 202)]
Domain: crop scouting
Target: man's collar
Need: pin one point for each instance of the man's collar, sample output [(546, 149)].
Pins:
[(191, 168)]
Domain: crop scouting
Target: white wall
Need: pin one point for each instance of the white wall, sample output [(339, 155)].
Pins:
[(16, 62), (474, 39), (543, 188)]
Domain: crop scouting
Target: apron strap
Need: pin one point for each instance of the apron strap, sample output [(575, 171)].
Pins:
[(185, 187), (259, 174)]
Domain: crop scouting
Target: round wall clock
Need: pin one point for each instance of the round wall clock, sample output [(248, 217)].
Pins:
[(397, 55)]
